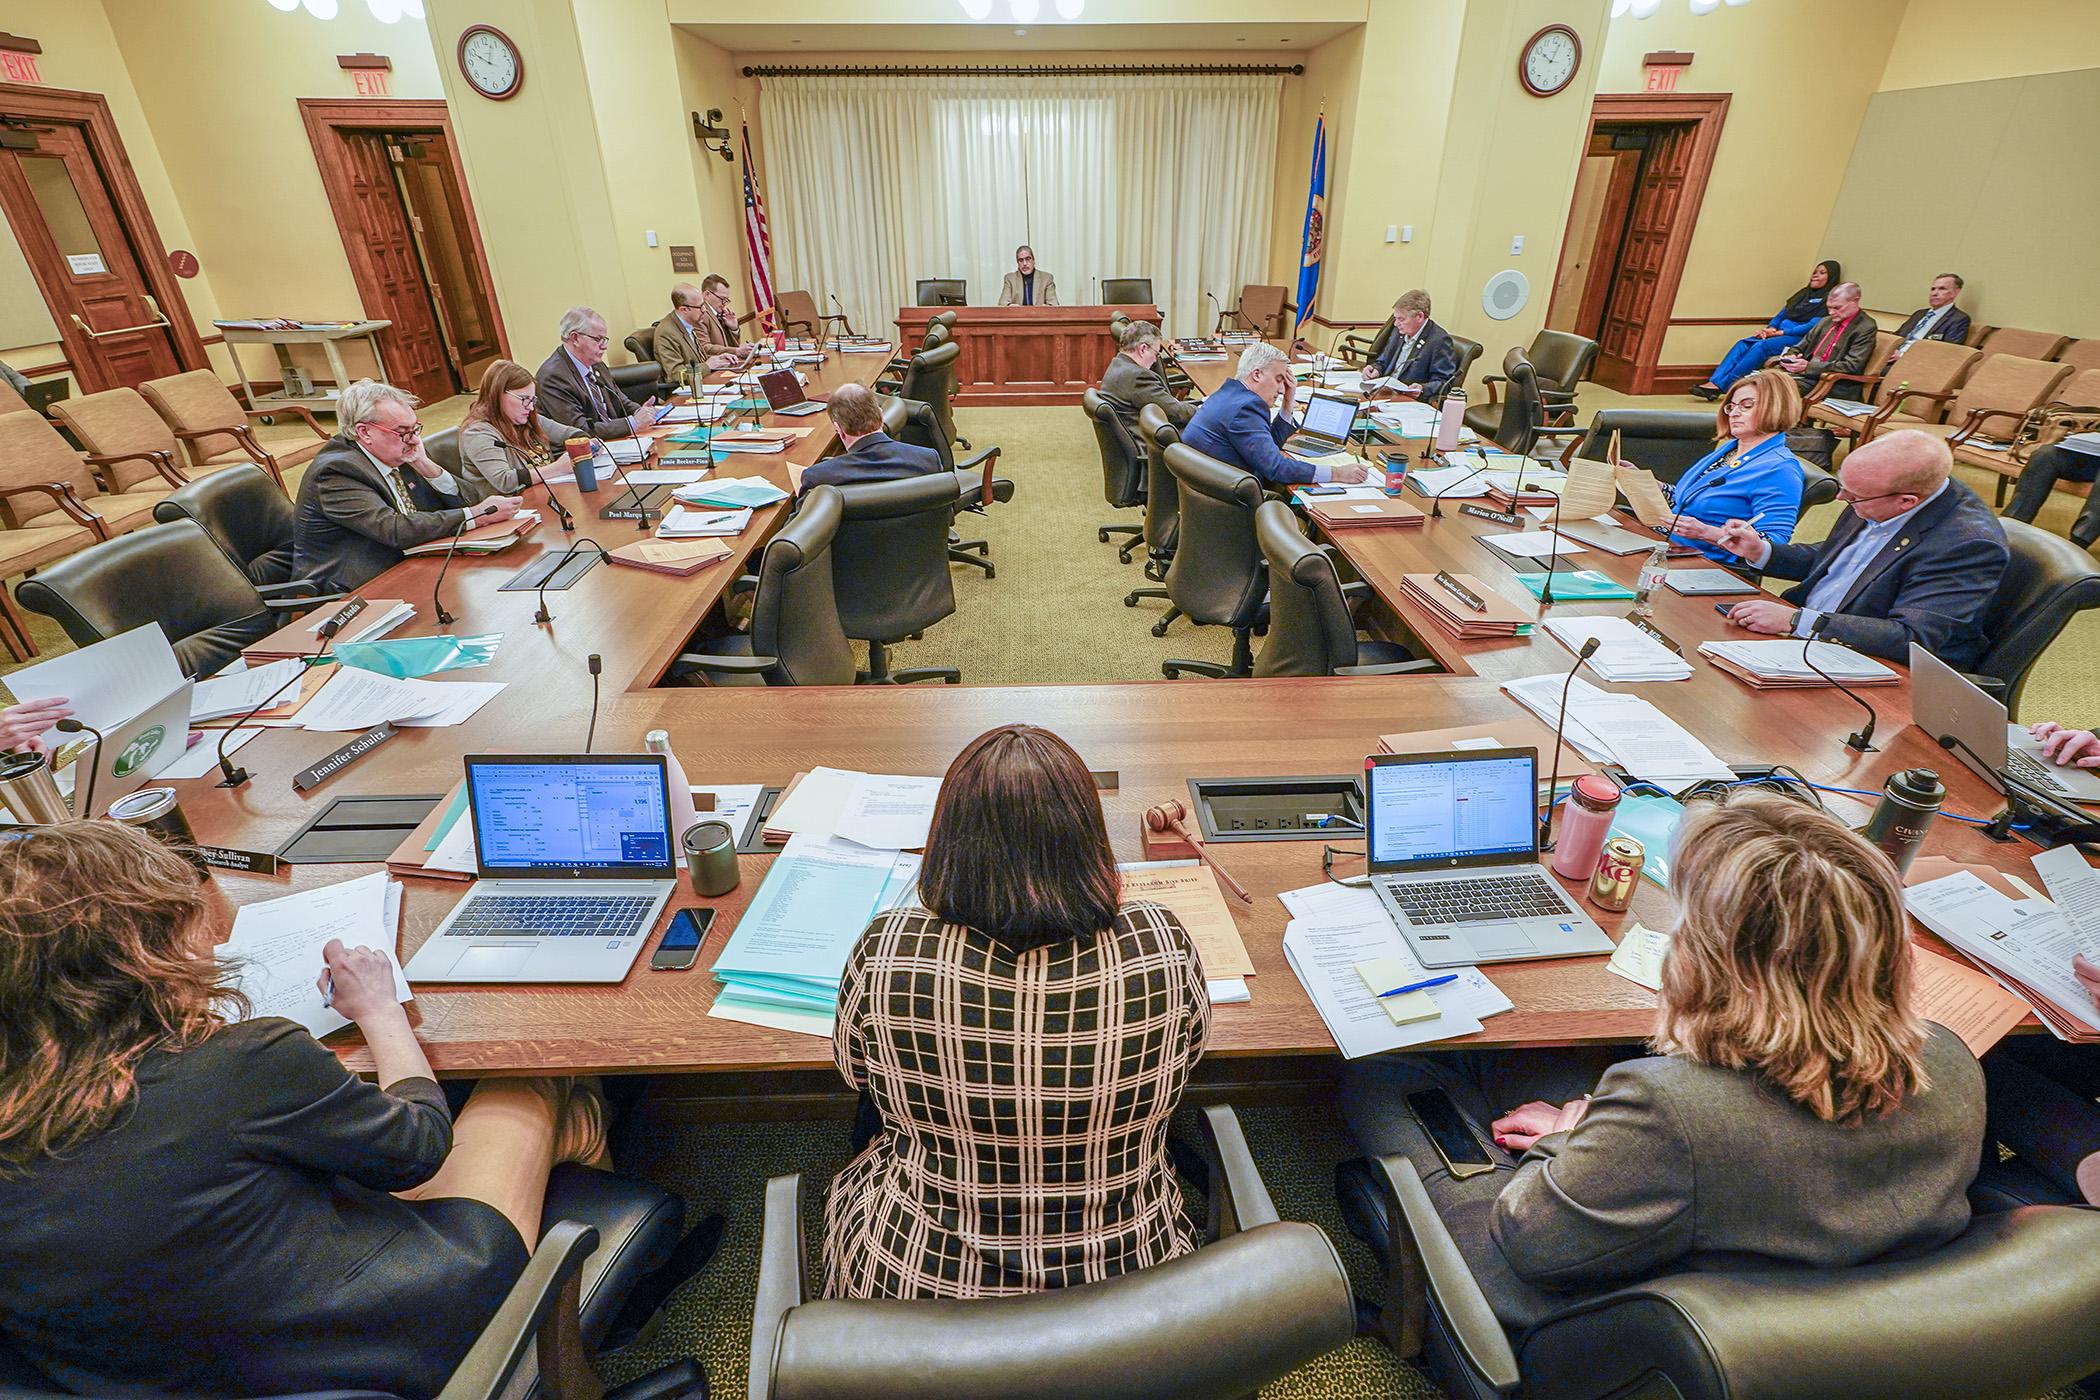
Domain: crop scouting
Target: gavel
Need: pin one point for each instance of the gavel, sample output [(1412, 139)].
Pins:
[(1169, 816)]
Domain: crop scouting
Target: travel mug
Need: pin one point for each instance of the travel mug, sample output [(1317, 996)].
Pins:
[(1908, 804), (710, 858), (28, 790)]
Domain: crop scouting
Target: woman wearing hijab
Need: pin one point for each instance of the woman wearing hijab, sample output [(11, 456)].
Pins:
[(1779, 335)]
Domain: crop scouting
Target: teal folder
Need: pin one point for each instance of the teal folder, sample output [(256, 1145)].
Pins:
[(1576, 586)]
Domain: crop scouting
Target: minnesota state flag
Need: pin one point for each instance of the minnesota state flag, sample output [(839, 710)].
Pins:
[(1315, 227)]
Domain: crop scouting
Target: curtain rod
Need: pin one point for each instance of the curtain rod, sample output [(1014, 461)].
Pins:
[(1118, 70)]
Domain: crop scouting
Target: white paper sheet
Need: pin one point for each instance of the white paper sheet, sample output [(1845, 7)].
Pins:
[(112, 681), (1452, 483), (777, 1018), (456, 850), (2029, 939), (1639, 956), (2074, 886), (353, 701), (667, 477), (202, 757), (1226, 991), (1624, 652), (733, 803), (888, 811), (278, 944), (460, 701), (627, 451), (816, 803), (224, 696)]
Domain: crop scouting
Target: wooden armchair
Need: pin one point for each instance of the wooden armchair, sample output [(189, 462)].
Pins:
[(1929, 367), (1260, 312), (2075, 408), (129, 448), (2081, 354), (45, 484), (800, 309), (213, 427), (2001, 390)]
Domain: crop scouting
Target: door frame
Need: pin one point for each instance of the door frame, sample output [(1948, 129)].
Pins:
[(1707, 111), (323, 117), (90, 111)]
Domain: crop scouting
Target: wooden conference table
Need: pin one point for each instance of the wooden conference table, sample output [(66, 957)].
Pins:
[(1025, 356), (1154, 735)]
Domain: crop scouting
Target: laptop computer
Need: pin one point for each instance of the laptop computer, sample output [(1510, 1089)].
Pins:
[(132, 752), (1452, 842), (576, 861), (783, 391), (1942, 701), (1329, 420)]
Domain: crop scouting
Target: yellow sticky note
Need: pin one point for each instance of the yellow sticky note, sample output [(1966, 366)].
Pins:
[(1378, 974)]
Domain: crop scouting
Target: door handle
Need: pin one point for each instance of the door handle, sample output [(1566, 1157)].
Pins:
[(153, 325)]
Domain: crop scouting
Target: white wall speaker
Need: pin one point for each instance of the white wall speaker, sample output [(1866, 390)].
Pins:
[(1505, 294)]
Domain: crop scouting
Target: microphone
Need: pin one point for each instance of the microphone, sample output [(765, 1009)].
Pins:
[(85, 811), (1862, 740), (233, 777), (1436, 509), (437, 604), (1221, 310), (597, 665), (1589, 649), (1552, 557), (568, 524), (543, 615), (845, 322), (1689, 497)]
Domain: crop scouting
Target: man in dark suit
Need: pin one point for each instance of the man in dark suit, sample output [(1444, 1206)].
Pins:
[(1915, 558), (870, 453), (1840, 343), (1939, 318), (1239, 424), (574, 387), (1133, 378), (373, 492), (1418, 357)]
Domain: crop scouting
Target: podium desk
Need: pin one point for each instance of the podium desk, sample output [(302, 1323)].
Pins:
[(1024, 356)]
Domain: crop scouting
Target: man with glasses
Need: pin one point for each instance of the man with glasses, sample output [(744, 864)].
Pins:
[(574, 387), (1915, 558), (373, 492), (700, 333)]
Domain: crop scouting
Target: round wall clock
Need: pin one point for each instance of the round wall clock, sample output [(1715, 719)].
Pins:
[(1548, 61), (491, 62)]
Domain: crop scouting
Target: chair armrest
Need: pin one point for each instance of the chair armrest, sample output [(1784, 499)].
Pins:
[(542, 1307), (744, 583), (1238, 1199), (300, 409), (1491, 380), (62, 493), (1830, 381), (742, 665), (1976, 419), (1390, 668), (989, 453), (1426, 1262), (162, 462), (782, 1284), (1882, 414)]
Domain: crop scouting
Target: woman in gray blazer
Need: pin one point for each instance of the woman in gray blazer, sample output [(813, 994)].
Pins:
[(1796, 1112), (503, 432)]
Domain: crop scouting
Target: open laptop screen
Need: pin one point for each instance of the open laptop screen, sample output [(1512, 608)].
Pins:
[(1443, 811), (1329, 417), (567, 816)]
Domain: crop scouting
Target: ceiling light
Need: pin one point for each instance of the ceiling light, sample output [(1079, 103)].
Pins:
[(1705, 7), (385, 11), (320, 9), (1071, 9), (1025, 11), (1619, 7), (286, 5), (1641, 9)]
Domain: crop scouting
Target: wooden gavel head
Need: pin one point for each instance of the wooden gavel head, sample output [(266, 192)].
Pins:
[(1167, 816)]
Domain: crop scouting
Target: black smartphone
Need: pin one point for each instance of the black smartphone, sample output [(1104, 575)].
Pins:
[(1321, 490), (1447, 1128), (681, 945)]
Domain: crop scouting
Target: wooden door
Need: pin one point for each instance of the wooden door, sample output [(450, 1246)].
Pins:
[(84, 262), (393, 288), (1633, 304), (438, 216)]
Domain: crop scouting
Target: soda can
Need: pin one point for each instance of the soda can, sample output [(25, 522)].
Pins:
[(1611, 887)]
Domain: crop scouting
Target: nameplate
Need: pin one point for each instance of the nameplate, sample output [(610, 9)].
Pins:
[(227, 858), (1652, 631), (1500, 517), (645, 514), (343, 757)]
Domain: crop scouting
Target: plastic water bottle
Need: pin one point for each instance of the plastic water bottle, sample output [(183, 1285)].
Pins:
[(1453, 418), (1654, 569)]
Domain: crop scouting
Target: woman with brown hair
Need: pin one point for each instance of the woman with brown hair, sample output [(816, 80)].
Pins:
[(1796, 1112), (504, 432), (1025, 1040), (190, 1205)]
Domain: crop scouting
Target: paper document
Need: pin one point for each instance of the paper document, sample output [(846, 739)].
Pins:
[(2029, 940), (354, 700), (667, 477), (277, 945), (1639, 956), (815, 804), (109, 682), (888, 811), (1190, 890), (812, 908), (460, 700), (684, 523), (1624, 652), (628, 451), (364, 628), (733, 803), (1452, 483), (2074, 886), (223, 696), (1965, 1001), (1226, 991)]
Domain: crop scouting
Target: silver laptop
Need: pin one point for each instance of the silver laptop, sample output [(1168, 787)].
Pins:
[(1329, 419), (576, 862), (132, 752), (1942, 702), (1453, 854)]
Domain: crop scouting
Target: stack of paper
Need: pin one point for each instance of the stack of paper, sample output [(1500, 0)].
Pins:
[(236, 694), (1410, 417), (1623, 729), (1534, 485), (1190, 890), (2026, 944), (628, 451), (1782, 663), (108, 683), (353, 701), (679, 523), (1533, 544), (678, 558), (1624, 651), (277, 944), (1351, 513), (1576, 586), (1495, 615), (862, 346), (762, 442), (1453, 483), (302, 635), (730, 493), (884, 810), (488, 539)]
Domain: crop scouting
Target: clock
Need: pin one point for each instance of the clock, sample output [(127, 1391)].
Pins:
[(491, 62), (1549, 60)]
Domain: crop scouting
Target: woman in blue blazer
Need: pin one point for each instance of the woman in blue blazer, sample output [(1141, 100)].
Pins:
[(1752, 474), (1780, 334)]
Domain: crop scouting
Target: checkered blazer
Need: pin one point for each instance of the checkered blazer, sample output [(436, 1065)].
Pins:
[(1024, 1107)]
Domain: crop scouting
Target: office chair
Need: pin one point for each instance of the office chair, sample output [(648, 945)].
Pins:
[(943, 291), (2048, 581), (443, 449), (2010, 1308), (213, 428), (1522, 418), (1667, 441), (1122, 466), (1156, 432), (1267, 1296), (1311, 631), (795, 636), (1259, 311), (930, 379), (603, 1240), (641, 344), (173, 574), (1218, 575), (889, 568), (1126, 291), (945, 319), (247, 516), (908, 420), (1559, 360), (1468, 352)]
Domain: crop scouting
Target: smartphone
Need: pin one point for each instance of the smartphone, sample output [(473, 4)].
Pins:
[(681, 945), (1447, 1128), (1724, 608), (1322, 490)]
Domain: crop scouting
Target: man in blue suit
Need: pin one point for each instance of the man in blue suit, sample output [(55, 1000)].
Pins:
[(1915, 558), (1239, 424), (1418, 357), (870, 453)]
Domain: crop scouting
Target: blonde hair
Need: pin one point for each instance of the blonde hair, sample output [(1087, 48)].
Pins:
[(1791, 957), (1778, 402)]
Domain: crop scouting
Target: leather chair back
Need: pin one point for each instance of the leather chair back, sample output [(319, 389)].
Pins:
[(796, 309), (894, 411), (931, 380), (889, 560), (937, 335), (637, 381), (246, 516), (1664, 440), (1928, 367), (1260, 310), (174, 574), (916, 424), (1522, 414), (1157, 432), (1310, 630), (2048, 581), (1468, 352), (795, 614), (1562, 360), (2080, 355), (642, 343), (1122, 460), (1220, 577), (946, 319), (116, 422), (935, 291), (1126, 291), (2028, 345), (443, 447)]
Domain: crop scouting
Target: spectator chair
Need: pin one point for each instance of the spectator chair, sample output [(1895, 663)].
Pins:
[(1521, 419), (1311, 630), (908, 420), (213, 427), (1122, 466), (1259, 311), (21, 551), (2080, 354), (128, 447), (1218, 576), (1126, 291), (1156, 432), (1928, 368), (1999, 393), (2048, 581), (1265, 1297), (2074, 407), (246, 515), (943, 291), (795, 636), (800, 309), (889, 568), (10, 401), (1560, 361), (44, 483), (2028, 345), (1667, 441)]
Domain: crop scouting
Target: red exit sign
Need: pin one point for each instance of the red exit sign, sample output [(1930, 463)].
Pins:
[(373, 82), (19, 67)]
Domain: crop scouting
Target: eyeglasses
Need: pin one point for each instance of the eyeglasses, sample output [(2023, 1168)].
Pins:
[(1852, 499), (524, 400), (1746, 405), (599, 339), (408, 432)]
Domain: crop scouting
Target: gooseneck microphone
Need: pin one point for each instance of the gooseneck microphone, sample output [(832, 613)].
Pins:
[(597, 665), (1436, 508), (1221, 310), (85, 811), (437, 604), (1589, 649), (568, 523), (1861, 740), (543, 615), (232, 777)]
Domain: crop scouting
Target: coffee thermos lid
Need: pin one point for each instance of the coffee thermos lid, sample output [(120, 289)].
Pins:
[(1920, 786)]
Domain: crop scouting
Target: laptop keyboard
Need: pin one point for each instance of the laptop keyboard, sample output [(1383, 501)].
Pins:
[(2028, 771), (575, 916), (1478, 901)]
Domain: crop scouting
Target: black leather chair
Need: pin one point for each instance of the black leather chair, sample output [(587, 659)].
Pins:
[(1560, 361), (640, 381), (930, 379), (795, 636), (1311, 630), (1468, 354), (443, 447), (2048, 581), (942, 291), (1521, 419), (1126, 291), (908, 420), (605, 1241), (1268, 1296), (944, 319), (2010, 1309), (1218, 576), (642, 343), (174, 574), (1667, 441), (245, 513), (1156, 432), (889, 568), (1122, 466)]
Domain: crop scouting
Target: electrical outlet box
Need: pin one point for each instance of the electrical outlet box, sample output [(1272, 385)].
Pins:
[(1407, 233), (1516, 245), (1392, 231)]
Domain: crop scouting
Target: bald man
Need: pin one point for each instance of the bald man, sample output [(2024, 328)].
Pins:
[(1915, 558)]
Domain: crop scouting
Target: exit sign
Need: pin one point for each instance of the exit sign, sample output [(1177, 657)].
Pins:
[(373, 82), (19, 67)]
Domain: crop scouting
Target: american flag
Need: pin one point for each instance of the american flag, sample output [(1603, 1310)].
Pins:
[(758, 240)]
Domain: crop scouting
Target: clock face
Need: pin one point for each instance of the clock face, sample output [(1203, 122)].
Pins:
[(1549, 60), (490, 62)]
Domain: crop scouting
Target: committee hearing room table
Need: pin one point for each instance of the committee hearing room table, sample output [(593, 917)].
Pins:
[(1154, 736), (1024, 356)]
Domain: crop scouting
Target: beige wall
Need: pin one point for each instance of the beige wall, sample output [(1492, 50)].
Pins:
[(1966, 41), (707, 78)]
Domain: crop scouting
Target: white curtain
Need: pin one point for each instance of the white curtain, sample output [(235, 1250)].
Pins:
[(874, 183)]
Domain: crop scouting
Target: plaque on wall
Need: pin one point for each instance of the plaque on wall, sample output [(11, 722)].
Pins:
[(683, 258)]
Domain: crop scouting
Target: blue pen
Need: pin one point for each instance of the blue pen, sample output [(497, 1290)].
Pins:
[(1419, 986)]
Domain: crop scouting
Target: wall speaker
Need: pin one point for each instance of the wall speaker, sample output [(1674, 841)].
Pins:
[(1505, 294)]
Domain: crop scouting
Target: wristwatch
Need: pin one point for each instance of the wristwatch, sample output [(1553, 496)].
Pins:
[(1793, 624)]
